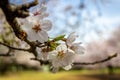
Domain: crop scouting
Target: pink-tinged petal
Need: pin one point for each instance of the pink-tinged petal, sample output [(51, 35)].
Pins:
[(32, 36), (46, 25), (43, 8), (77, 48), (71, 38), (43, 36), (41, 16), (61, 47)]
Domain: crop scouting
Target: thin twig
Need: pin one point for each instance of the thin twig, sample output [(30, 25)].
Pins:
[(96, 62), (14, 47)]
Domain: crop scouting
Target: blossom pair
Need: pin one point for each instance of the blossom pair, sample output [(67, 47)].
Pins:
[(63, 56)]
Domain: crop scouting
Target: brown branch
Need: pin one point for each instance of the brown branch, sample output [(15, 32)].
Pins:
[(81, 63), (28, 5), (96, 62), (5, 55), (28, 50), (12, 12)]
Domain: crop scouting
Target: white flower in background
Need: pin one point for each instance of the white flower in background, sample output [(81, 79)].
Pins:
[(36, 26), (74, 46), (62, 57)]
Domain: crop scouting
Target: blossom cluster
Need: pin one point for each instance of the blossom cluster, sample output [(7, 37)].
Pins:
[(59, 51)]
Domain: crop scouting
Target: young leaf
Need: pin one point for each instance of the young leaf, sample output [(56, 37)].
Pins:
[(59, 38)]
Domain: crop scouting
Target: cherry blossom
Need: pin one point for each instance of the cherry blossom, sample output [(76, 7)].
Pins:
[(36, 26), (74, 46), (42, 53), (62, 57)]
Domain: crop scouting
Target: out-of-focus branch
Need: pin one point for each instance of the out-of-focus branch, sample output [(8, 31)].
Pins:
[(28, 5), (10, 47), (96, 62), (5, 55), (11, 12)]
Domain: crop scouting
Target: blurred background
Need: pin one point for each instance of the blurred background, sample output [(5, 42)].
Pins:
[(97, 22)]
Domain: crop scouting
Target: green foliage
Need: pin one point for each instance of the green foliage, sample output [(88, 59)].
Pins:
[(59, 38), (53, 45)]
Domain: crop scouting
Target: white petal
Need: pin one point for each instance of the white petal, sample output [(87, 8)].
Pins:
[(46, 25), (27, 27), (67, 59), (67, 67), (43, 8), (71, 38), (31, 14), (43, 36), (31, 19), (32, 36), (61, 47), (77, 48), (52, 55), (41, 16)]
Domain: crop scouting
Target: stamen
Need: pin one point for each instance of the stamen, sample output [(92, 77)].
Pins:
[(37, 28), (60, 54)]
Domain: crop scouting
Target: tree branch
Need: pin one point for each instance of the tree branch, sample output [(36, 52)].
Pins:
[(81, 63), (28, 50), (12, 12), (96, 62), (28, 5)]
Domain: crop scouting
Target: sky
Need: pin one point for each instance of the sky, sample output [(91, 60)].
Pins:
[(95, 22)]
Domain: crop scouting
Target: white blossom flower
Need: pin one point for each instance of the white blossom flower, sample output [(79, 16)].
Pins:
[(74, 46), (36, 26), (42, 53), (62, 57)]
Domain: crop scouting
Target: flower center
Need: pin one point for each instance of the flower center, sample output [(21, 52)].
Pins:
[(22, 35), (60, 54), (73, 48), (36, 13), (37, 28)]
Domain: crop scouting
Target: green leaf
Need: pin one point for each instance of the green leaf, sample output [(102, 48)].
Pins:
[(59, 38), (53, 45)]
